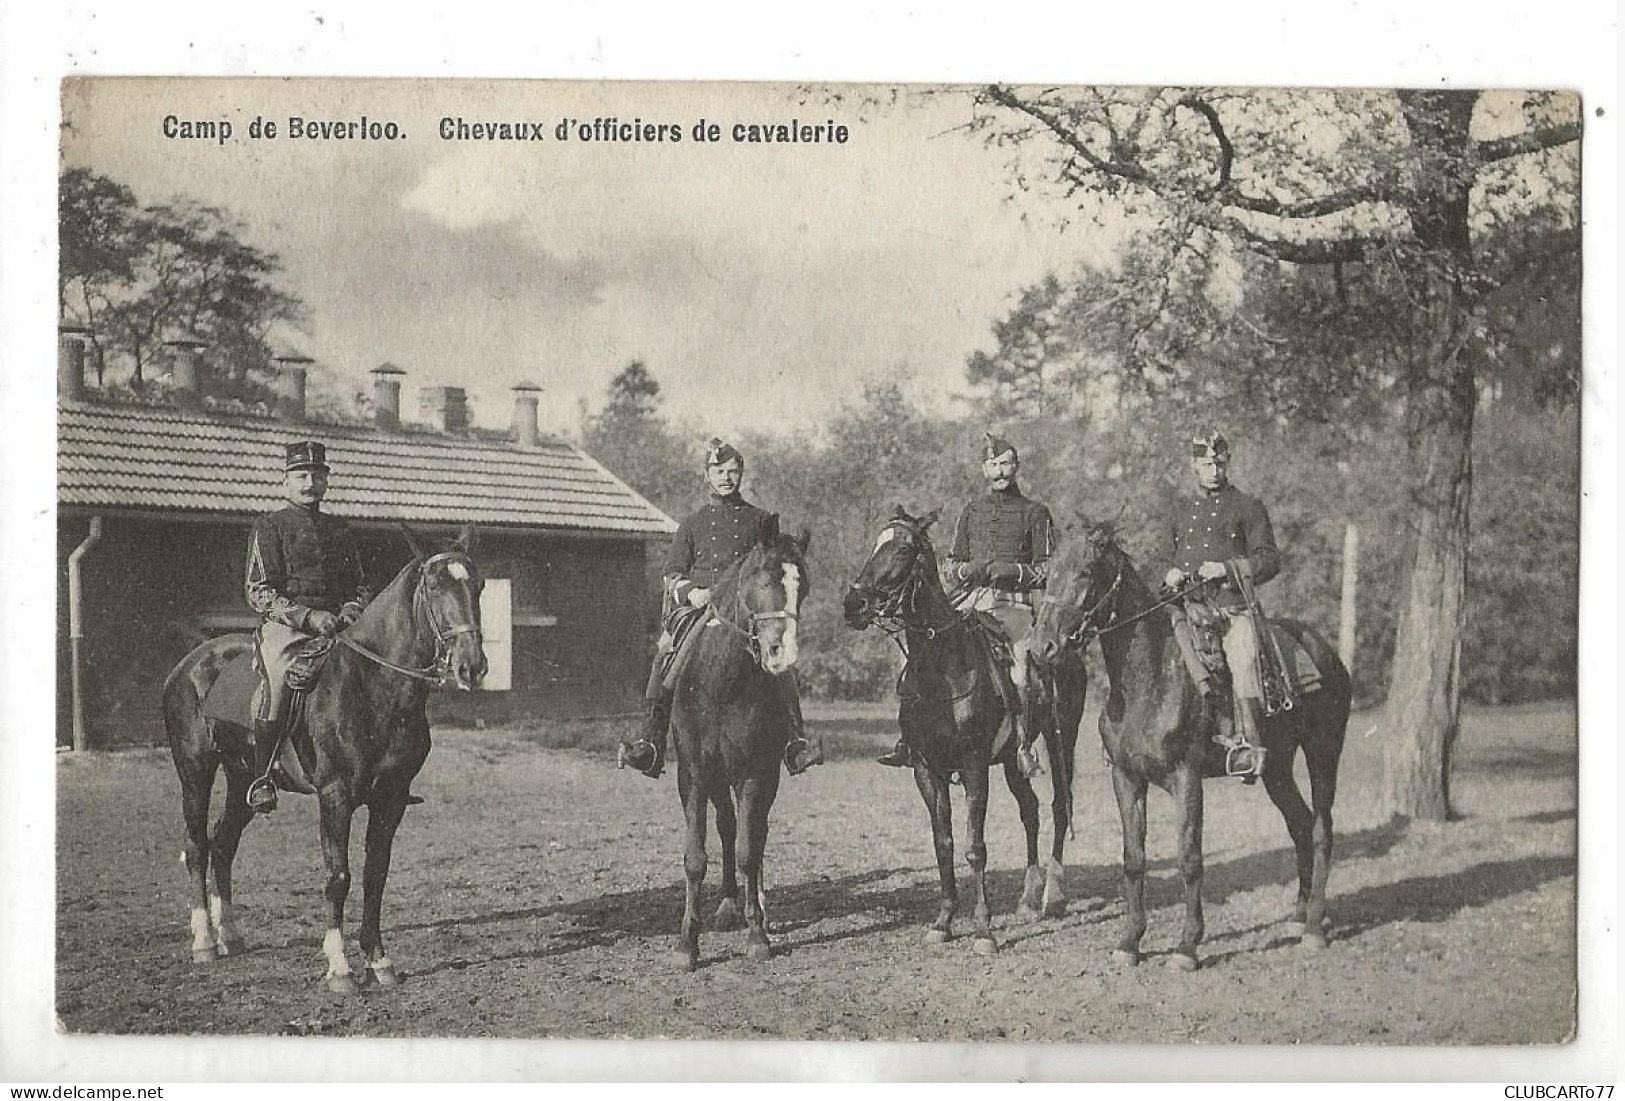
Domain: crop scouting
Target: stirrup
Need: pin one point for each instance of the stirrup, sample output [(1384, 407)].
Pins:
[(1237, 762), (802, 750), (261, 795), (642, 755), (1028, 762)]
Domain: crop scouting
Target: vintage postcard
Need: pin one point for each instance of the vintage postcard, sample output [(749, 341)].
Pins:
[(970, 563)]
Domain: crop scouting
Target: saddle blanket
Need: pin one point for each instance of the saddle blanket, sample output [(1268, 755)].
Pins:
[(231, 697)]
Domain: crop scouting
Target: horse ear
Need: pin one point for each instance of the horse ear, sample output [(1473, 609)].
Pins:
[(415, 541), (466, 539), (930, 518)]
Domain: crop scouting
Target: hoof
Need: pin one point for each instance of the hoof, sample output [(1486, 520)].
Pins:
[(726, 916), (204, 955), (938, 936), (684, 960), (759, 951), (385, 977), (1312, 942), (1125, 957), (343, 985), (985, 946), (233, 947), (1180, 961), (1025, 913)]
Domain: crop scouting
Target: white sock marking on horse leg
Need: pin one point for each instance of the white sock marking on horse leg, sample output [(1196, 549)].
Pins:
[(382, 963), (792, 593), (202, 931), (225, 919), (333, 949)]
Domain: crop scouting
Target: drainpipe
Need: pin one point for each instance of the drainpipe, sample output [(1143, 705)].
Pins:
[(76, 631)]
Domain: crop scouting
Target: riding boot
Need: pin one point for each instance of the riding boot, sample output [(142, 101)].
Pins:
[(647, 752), (801, 752), (901, 756), (1246, 758), (267, 740)]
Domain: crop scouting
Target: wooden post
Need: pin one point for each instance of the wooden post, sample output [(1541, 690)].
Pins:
[(1346, 634)]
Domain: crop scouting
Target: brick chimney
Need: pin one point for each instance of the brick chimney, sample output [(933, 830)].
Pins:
[(186, 369), (386, 395), (70, 361), (290, 385), (526, 397), (444, 407)]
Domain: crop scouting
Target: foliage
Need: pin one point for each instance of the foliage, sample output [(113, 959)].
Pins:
[(138, 275)]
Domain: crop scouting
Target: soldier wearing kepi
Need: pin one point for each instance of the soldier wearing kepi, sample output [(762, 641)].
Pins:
[(304, 578), (705, 546), (1002, 544), (1221, 536)]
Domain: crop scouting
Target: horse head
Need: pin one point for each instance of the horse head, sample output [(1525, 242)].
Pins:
[(1082, 576), (773, 584), (902, 552), (447, 602)]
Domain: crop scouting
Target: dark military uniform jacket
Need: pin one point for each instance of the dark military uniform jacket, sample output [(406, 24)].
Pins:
[(1221, 525), (1012, 532), (303, 560), (709, 543)]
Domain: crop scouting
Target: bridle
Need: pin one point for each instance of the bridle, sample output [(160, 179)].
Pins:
[(439, 672), (898, 611), (752, 637), (1086, 629)]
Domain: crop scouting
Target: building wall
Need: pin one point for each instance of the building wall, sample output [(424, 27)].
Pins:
[(155, 588)]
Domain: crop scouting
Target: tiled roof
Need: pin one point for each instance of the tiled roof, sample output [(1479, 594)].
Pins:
[(170, 460)]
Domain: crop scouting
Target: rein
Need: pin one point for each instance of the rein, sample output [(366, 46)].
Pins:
[(1086, 629), (436, 673)]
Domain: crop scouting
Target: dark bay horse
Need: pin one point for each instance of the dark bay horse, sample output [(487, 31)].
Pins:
[(729, 730), (1157, 730), (366, 736), (952, 713)]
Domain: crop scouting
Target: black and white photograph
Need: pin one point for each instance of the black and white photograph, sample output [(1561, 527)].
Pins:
[(986, 563)]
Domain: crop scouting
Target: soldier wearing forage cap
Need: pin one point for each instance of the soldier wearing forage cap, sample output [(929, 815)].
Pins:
[(705, 546), (997, 563), (1219, 535), (304, 578)]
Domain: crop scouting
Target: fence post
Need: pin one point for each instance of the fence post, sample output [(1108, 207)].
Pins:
[(1346, 634)]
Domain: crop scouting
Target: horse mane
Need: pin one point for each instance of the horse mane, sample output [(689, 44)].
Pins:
[(772, 546)]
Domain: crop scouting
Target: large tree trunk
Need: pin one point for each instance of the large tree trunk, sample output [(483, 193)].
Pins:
[(1424, 695)]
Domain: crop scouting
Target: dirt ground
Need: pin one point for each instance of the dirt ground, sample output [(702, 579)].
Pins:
[(537, 892)]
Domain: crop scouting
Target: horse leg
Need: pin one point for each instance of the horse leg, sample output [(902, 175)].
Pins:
[(939, 804), (976, 788), (1283, 791), (1322, 761), (1032, 881), (1187, 793), (756, 800), (384, 814), (695, 801), (727, 915), (336, 812), (228, 831), (1130, 792), (197, 786)]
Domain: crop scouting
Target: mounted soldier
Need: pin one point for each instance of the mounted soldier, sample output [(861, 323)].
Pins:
[(996, 566), (1223, 545), (304, 578), (705, 546)]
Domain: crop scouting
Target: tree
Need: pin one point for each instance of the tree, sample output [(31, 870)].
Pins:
[(632, 437), (133, 274), (1397, 184)]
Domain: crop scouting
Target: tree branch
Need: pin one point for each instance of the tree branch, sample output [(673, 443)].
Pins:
[(1066, 136), (1531, 141)]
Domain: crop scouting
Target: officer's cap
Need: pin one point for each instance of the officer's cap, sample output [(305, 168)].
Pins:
[(717, 453), (305, 455), (994, 447), (1209, 443)]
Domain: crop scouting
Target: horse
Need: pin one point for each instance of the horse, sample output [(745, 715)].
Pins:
[(365, 735), (730, 728), (953, 717), (1157, 728)]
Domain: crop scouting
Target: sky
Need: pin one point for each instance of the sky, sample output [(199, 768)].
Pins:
[(762, 284)]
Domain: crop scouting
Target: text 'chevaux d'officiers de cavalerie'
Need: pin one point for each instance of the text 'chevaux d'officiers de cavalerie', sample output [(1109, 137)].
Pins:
[(603, 129)]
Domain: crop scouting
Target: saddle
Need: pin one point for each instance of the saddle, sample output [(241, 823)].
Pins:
[(1197, 628)]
